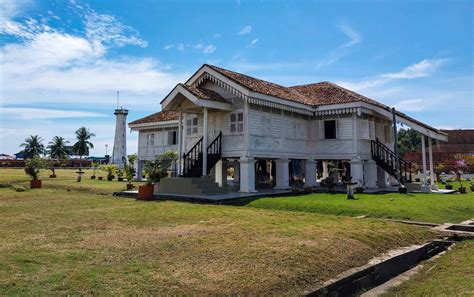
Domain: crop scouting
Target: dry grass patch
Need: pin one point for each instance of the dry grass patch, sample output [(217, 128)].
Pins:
[(57, 242)]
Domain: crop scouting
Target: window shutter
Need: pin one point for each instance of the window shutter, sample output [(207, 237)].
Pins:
[(170, 137), (364, 129), (321, 129), (372, 130)]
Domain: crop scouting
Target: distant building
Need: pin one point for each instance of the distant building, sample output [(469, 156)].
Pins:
[(453, 154), (6, 157)]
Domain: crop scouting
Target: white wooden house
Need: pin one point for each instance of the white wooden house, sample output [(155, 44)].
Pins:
[(274, 135)]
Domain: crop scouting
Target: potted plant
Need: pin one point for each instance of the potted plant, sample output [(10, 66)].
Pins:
[(472, 187), (448, 186), (94, 166), (53, 171), (129, 174), (33, 167), (110, 169), (461, 189), (119, 174), (154, 171)]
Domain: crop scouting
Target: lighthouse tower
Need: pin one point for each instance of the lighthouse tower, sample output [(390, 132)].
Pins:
[(119, 154)]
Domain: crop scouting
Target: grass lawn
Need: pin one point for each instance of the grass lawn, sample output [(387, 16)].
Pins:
[(66, 179), (54, 241), (450, 275), (436, 208)]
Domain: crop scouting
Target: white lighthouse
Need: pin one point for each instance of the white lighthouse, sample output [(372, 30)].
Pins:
[(119, 154)]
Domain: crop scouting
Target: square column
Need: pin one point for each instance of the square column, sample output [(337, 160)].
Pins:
[(423, 157), (180, 142), (282, 174), (247, 175), (381, 178), (221, 172), (370, 174), (430, 156), (357, 171), (325, 169), (139, 168), (204, 142), (310, 173), (236, 171)]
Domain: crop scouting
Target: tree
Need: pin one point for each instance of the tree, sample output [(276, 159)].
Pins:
[(408, 141), (82, 146), (57, 148), (33, 146)]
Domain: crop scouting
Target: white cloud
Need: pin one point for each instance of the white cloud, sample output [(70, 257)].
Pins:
[(209, 49), (10, 8), (23, 113), (354, 36), (421, 69), (412, 105), (245, 30), (49, 65), (168, 47), (252, 43)]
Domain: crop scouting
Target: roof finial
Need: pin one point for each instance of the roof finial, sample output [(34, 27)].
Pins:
[(118, 99)]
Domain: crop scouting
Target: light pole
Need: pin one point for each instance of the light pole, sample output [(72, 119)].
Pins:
[(106, 146)]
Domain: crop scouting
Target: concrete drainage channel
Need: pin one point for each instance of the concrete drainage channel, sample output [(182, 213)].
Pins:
[(356, 281)]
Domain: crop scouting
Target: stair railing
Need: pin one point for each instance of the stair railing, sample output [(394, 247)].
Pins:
[(191, 158), (383, 154), (215, 147)]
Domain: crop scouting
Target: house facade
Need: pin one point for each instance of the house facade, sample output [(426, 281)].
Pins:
[(273, 136)]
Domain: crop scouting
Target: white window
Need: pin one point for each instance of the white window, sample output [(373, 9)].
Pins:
[(192, 126), (150, 139), (172, 137), (237, 122)]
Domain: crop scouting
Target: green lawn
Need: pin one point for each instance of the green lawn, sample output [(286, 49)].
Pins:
[(66, 179), (450, 275), (61, 241), (436, 208)]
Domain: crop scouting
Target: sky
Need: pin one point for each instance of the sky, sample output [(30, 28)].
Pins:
[(62, 62)]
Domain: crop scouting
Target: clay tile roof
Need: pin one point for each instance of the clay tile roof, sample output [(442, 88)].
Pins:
[(160, 116), (261, 86), (202, 93), (324, 93), (321, 93)]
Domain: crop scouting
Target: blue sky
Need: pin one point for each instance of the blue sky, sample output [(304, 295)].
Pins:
[(63, 61)]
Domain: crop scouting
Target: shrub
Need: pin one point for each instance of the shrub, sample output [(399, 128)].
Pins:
[(33, 167), (4, 185), (158, 168), (19, 188), (110, 169)]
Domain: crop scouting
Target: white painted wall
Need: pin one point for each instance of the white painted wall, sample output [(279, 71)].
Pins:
[(148, 152)]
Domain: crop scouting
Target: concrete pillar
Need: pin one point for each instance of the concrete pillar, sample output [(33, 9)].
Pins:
[(430, 154), (310, 173), (236, 171), (357, 171), (139, 170), (204, 142), (282, 174), (370, 174), (247, 175), (381, 178), (221, 172), (180, 142), (423, 156), (325, 169)]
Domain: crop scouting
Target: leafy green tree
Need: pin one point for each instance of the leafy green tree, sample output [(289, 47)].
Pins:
[(408, 141), (33, 146), (83, 144), (57, 148)]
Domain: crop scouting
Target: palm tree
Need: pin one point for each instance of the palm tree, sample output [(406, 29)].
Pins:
[(57, 148), (82, 146), (33, 146)]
